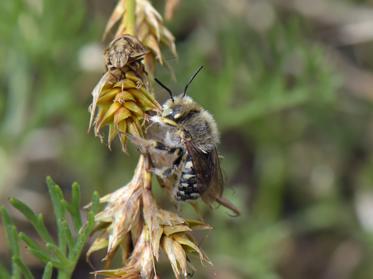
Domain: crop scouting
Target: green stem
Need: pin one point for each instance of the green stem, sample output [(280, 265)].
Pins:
[(130, 17), (64, 274)]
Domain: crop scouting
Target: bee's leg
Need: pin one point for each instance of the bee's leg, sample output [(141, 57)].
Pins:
[(146, 145), (167, 172), (143, 145), (163, 173)]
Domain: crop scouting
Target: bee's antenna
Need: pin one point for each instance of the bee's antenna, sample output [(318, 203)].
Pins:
[(190, 81), (166, 88)]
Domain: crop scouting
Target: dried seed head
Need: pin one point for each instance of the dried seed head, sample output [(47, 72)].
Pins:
[(150, 29), (132, 220), (121, 99)]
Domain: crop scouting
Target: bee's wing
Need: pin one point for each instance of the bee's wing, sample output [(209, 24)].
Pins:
[(210, 179), (208, 171)]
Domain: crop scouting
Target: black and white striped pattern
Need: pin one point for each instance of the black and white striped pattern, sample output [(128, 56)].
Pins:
[(187, 186)]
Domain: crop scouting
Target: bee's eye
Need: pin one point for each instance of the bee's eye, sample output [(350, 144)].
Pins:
[(173, 113)]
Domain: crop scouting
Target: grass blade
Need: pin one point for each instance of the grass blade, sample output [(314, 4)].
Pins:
[(48, 270)]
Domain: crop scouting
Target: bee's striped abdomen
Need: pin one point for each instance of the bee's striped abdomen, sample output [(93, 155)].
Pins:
[(187, 186)]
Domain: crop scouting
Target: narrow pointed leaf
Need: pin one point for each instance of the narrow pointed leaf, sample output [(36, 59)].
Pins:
[(35, 220), (75, 206), (48, 270), (25, 270)]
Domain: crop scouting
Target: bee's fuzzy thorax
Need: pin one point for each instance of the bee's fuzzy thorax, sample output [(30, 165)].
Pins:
[(193, 118)]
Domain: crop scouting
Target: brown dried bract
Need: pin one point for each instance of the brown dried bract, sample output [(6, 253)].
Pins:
[(133, 222), (149, 29), (170, 8)]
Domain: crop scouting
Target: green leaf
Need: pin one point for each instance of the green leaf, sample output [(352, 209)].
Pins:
[(87, 229), (56, 251), (35, 248), (68, 235), (74, 207), (25, 270), (48, 271), (95, 202), (36, 220), (10, 232), (59, 211)]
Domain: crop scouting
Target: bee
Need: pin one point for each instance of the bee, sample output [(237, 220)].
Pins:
[(183, 149)]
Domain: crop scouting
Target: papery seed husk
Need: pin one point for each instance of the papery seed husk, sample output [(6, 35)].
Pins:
[(132, 76), (151, 42), (126, 248), (113, 132), (122, 126), (100, 115), (115, 16), (169, 218), (121, 115), (124, 96), (100, 243), (123, 220), (137, 228), (144, 99), (132, 106), (168, 39), (198, 225), (185, 241), (109, 114), (95, 95), (170, 8), (169, 230), (154, 26), (156, 239), (143, 31), (123, 142), (168, 247), (108, 96), (125, 84), (180, 257)]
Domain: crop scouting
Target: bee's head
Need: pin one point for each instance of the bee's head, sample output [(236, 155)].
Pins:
[(177, 108)]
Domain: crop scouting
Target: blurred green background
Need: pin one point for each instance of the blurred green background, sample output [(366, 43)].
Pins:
[(290, 83)]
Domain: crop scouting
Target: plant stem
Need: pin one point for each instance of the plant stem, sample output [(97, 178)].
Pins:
[(130, 18), (64, 274)]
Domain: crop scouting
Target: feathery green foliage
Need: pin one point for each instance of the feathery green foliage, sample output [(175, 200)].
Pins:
[(62, 254)]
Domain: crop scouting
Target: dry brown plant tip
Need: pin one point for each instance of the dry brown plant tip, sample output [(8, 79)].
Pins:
[(121, 99), (149, 29)]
